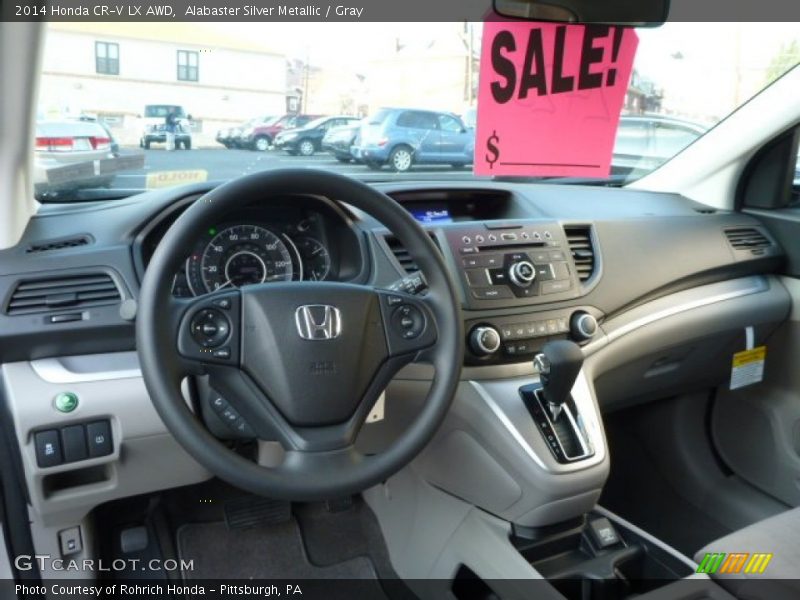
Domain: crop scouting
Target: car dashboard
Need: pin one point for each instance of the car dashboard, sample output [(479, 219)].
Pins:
[(657, 289)]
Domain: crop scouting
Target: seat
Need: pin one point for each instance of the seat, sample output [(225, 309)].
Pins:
[(758, 578)]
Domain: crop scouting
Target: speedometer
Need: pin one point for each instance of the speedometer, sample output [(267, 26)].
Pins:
[(242, 255)]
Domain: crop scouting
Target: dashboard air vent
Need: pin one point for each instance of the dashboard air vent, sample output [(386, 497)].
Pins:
[(747, 238), (402, 255), (579, 238), (57, 244), (69, 291)]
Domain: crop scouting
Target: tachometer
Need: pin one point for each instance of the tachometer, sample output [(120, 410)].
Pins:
[(316, 259), (243, 255)]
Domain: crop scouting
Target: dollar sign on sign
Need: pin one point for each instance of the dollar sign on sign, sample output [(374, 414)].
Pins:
[(494, 151)]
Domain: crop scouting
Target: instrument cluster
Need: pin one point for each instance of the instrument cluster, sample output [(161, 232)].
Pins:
[(254, 248)]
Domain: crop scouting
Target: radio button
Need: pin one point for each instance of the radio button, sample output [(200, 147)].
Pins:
[(478, 277), (560, 270), (556, 287), (492, 293), (540, 257), (544, 272), (508, 237), (498, 276), (541, 328)]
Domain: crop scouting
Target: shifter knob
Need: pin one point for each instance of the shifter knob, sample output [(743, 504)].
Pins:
[(558, 364)]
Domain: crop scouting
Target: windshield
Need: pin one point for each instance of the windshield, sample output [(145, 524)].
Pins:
[(171, 99)]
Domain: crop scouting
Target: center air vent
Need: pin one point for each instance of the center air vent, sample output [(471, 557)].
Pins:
[(579, 238), (747, 238), (402, 255), (69, 291)]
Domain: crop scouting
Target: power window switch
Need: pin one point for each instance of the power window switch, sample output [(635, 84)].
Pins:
[(70, 541), (48, 448)]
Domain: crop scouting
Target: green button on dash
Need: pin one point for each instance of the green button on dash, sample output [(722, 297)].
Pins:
[(66, 402)]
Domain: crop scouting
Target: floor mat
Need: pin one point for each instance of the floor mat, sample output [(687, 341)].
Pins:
[(269, 552)]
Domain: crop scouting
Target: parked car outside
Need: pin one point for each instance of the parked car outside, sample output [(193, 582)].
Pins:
[(260, 137), (307, 140), (339, 140), (404, 137), (154, 126), (65, 154), (224, 136), (238, 133), (646, 141)]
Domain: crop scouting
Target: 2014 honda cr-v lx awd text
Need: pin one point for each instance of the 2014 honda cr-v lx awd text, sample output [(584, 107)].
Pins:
[(560, 370)]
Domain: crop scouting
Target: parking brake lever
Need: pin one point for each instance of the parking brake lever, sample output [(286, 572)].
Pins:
[(558, 364)]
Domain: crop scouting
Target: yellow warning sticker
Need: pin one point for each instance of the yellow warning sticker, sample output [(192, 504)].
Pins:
[(748, 367)]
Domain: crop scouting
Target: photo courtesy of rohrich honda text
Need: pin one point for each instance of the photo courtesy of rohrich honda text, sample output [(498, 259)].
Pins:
[(488, 300)]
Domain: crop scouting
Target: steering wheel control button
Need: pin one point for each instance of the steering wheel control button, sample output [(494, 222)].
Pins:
[(98, 436), (223, 303), (66, 402), (231, 417), (223, 353), (408, 321), (48, 448), (210, 328)]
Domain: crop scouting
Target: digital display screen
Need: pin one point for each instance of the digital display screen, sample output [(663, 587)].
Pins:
[(432, 214)]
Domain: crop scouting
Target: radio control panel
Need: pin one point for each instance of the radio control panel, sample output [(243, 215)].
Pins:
[(513, 263)]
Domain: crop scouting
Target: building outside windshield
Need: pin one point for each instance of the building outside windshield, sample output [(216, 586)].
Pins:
[(125, 107)]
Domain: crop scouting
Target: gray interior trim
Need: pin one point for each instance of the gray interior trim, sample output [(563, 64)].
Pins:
[(581, 394), (676, 304), (88, 368)]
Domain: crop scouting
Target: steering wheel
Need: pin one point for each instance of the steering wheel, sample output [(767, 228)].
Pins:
[(301, 363)]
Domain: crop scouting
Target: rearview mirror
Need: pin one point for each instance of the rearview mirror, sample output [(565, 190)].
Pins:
[(624, 13)]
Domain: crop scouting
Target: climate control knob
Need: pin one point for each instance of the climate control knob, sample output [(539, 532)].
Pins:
[(582, 326), (484, 340), (522, 273)]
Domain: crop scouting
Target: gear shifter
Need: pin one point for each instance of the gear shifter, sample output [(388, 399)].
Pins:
[(558, 364)]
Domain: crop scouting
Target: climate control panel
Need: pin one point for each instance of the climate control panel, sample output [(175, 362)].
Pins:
[(518, 337), (513, 263)]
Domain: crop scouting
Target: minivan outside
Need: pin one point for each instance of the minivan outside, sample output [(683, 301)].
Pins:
[(402, 138)]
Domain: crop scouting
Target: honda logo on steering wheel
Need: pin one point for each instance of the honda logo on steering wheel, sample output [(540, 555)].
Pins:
[(318, 322)]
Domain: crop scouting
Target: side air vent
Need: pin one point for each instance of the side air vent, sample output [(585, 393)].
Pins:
[(54, 293), (580, 244), (402, 255), (747, 238), (58, 244)]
